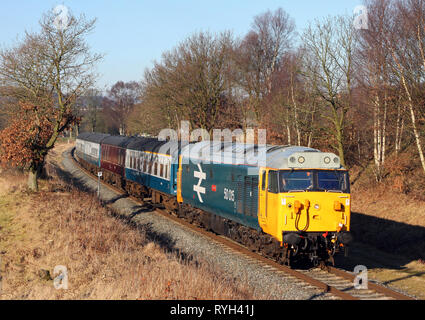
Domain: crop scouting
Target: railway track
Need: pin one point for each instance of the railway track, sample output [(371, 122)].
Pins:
[(339, 283)]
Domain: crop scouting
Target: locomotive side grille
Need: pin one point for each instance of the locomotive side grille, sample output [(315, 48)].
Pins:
[(239, 196), (247, 195)]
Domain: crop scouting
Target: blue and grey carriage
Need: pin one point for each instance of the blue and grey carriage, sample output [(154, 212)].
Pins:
[(88, 147), (153, 164)]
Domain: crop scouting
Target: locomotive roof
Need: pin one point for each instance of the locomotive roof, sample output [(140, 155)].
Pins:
[(272, 156), (92, 136)]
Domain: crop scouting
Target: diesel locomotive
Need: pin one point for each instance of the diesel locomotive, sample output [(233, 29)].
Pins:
[(294, 206)]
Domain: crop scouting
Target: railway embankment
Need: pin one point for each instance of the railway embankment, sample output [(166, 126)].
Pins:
[(99, 255)]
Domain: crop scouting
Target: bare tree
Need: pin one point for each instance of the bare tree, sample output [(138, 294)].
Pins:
[(49, 70), (260, 54), (406, 43), (192, 82), (91, 110), (124, 96), (375, 76), (328, 67)]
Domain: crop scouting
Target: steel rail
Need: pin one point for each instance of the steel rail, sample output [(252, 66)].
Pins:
[(373, 286)]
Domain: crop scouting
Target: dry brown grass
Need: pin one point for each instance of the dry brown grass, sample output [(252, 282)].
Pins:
[(384, 202), (390, 215), (389, 220), (105, 257)]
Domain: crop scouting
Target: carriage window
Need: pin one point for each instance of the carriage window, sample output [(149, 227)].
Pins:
[(144, 165), (161, 170), (138, 164), (155, 168), (166, 171)]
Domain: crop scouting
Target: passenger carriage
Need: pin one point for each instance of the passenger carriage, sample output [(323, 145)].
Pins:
[(152, 166), (113, 159), (88, 149)]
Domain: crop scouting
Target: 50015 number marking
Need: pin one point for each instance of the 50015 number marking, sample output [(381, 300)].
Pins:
[(229, 194)]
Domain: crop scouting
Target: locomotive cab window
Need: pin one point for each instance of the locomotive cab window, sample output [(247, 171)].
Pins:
[(273, 182), (313, 180), (263, 181), (298, 180), (332, 181)]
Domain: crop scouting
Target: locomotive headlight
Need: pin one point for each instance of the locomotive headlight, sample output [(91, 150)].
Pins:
[(292, 159), (336, 160), (301, 159), (316, 206), (327, 160)]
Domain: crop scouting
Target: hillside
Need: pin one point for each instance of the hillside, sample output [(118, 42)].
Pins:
[(391, 213), (105, 257)]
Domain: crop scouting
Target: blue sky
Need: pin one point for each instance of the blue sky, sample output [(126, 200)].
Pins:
[(134, 33)]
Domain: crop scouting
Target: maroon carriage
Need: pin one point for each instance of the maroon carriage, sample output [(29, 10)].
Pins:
[(112, 159)]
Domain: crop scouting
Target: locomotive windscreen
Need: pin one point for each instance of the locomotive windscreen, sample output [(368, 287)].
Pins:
[(313, 180)]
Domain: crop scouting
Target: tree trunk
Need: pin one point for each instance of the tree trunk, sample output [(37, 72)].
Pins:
[(417, 137), (340, 140), (413, 117), (341, 147), (288, 129), (297, 129), (33, 180)]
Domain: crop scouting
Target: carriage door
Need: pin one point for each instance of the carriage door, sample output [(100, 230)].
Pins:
[(262, 203)]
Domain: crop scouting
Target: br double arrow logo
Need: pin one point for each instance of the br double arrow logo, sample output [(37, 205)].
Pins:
[(201, 176)]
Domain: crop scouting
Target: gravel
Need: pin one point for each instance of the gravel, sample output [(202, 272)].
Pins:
[(177, 238)]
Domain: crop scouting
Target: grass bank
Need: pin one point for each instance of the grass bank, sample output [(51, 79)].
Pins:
[(104, 257)]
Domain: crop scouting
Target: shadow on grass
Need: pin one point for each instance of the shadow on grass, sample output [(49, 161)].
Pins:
[(402, 242)]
